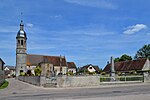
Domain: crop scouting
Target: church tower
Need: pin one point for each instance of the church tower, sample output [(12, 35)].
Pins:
[(21, 40)]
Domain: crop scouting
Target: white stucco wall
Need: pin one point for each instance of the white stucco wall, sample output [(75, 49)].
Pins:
[(72, 70), (57, 69), (146, 65), (92, 69)]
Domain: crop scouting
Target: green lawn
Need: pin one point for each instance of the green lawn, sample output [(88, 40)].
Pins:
[(4, 85)]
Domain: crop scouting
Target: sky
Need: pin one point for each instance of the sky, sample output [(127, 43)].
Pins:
[(84, 31)]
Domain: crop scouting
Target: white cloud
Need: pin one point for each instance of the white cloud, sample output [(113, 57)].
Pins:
[(30, 25), (94, 3), (134, 28)]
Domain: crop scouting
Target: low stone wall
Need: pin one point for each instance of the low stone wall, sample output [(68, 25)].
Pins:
[(2, 77), (69, 81), (78, 81), (64, 81), (35, 80)]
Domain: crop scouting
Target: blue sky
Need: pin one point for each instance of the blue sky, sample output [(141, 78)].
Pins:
[(85, 31)]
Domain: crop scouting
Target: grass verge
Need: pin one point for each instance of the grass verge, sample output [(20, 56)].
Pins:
[(4, 85)]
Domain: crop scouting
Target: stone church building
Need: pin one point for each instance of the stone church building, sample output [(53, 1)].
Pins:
[(50, 65)]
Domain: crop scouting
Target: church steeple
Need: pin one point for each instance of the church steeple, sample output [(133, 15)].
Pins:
[(21, 32), (21, 40)]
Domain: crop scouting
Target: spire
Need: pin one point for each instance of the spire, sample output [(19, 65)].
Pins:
[(21, 24), (21, 32)]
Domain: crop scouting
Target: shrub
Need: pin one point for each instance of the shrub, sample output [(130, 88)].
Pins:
[(22, 74), (103, 73), (91, 73), (37, 71), (69, 73), (105, 79)]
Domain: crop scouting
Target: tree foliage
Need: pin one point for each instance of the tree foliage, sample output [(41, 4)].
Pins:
[(123, 58), (37, 71), (143, 52)]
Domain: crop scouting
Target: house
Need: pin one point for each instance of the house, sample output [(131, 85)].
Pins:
[(90, 68), (129, 65), (72, 67), (50, 65), (10, 71), (1, 64)]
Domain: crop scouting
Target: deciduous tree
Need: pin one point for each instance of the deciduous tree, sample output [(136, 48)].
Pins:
[(123, 58), (143, 52)]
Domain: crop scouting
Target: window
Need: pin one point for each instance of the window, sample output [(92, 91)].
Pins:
[(21, 42), (18, 41)]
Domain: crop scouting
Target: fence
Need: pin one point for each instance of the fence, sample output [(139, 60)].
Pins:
[(2, 77), (134, 78)]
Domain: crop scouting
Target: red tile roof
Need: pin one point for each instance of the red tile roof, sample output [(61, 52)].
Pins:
[(127, 65), (71, 65), (36, 59)]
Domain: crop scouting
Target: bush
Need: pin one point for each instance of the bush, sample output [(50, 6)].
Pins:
[(105, 79), (103, 73), (91, 73), (22, 74), (37, 71), (70, 73)]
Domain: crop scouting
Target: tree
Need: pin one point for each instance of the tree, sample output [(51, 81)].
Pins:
[(37, 71), (116, 59), (143, 52), (123, 58)]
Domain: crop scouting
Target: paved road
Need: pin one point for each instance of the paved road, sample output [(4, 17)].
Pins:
[(23, 91)]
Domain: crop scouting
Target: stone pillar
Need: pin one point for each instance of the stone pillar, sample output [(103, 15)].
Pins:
[(42, 81), (113, 77)]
